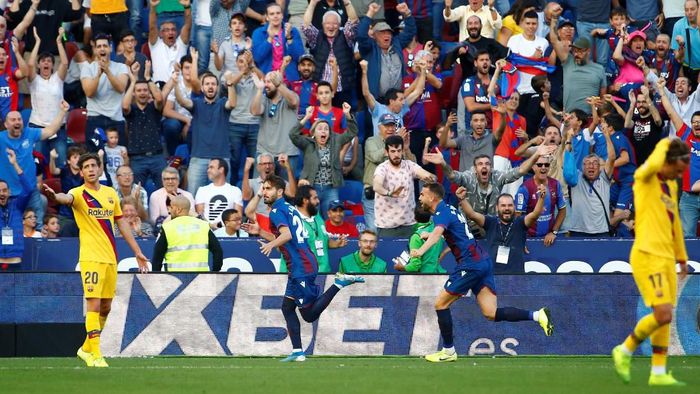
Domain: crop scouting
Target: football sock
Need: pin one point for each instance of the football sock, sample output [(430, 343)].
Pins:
[(535, 315), (512, 314), (645, 326), (86, 344), (659, 347), (445, 323), (293, 325), (92, 325), (311, 313), (449, 350)]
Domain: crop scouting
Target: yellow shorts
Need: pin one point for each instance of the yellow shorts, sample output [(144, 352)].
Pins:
[(656, 278), (99, 279)]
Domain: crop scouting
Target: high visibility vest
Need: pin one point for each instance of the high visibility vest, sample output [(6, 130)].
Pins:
[(188, 244)]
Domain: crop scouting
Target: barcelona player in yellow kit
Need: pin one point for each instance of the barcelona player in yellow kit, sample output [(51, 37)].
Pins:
[(658, 245), (96, 208)]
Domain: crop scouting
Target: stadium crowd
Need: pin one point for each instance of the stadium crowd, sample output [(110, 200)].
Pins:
[(354, 103)]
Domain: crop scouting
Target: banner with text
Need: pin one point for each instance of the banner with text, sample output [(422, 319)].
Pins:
[(239, 314)]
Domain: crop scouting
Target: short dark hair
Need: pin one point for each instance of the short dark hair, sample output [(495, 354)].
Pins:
[(111, 129), (482, 52), (478, 112), (677, 149), (580, 115), (222, 163), (615, 121), (435, 188), (482, 157), (271, 4), (185, 59), (45, 55), (226, 215), (101, 36), (696, 113), (126, 33), (393, 140), (74, 150), (392, 94), (238, 16), (324, 83), (618, 11), (209, 74), (303, 192), (89, 156), (537, 83), (275, 181), (5, 182), (48, 217), (421, 215), (530, 15), (503, 195)]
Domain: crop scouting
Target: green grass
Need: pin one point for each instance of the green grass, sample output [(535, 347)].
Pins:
[(330, 375)]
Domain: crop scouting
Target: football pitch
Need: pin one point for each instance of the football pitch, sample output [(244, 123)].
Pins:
[(522, 374)]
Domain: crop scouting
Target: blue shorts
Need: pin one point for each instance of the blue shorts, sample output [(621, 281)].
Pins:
[(472, 276), (621, 195), (304, 290)]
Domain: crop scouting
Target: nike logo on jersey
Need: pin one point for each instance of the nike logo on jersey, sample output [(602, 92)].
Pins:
[(302, 283)]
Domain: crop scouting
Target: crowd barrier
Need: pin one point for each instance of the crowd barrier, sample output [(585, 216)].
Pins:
[(243, 255), (238, 314)]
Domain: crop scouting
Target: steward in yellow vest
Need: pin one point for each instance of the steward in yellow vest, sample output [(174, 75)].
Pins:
[(185, 242)]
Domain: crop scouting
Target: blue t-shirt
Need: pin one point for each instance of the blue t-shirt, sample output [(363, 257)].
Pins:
[(546, 220), (679, 29), (381, 109), (511, 235), (625, 173), (581, 148), (210, 129), (23, 147), (599, 145), (300, 260), (460, 241)]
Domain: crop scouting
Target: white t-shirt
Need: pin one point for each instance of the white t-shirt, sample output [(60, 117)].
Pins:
[(46, 99), (217, 199), (187, 92), (113, 160), (203, 17), (518, 44), (221, 233), (165, 57), (107, 101)]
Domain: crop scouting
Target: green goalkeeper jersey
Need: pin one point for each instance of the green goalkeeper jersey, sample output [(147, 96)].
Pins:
[(429, 263), (317, 241)]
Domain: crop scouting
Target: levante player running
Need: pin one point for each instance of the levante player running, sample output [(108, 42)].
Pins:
[(474, 271), (658, 244), (96, 207), (289, 236)]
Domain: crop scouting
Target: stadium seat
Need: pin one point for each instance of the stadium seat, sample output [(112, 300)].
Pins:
[(75, 125), (55, 184), (450, 89), (71, 50), (351, 191), (146, 50)]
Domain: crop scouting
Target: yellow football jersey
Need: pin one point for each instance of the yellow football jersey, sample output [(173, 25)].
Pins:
[(657, 225), (95, 213)]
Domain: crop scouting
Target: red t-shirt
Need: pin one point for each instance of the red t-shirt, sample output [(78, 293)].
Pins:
[(509, 142), (344, 229)]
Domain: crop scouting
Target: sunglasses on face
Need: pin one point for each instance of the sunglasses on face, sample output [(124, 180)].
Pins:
[(542, 164)]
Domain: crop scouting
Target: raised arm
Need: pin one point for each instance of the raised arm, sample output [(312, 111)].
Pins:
[(129, 95), (365, 86), (62, 68), (617, 53), (153, 22), (445, 140), (532, 217), (22, 69), (187, 27), (309, 13), (630, 112), (418, 90), (27, 20), (610, 149), (559, 47), (467, 208), (256, 103), (652, 106), (676, 120), (231, 90), (31, 67), (56, 123), (179, 96)]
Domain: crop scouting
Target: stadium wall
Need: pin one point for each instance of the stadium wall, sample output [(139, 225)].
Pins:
[(243, 255), (238, 314)]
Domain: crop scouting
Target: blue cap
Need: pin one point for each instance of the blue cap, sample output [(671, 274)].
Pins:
[(336, 204), (387, 119)]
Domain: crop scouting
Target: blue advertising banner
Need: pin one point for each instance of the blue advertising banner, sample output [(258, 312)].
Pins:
[(238, 314), (243, 255)]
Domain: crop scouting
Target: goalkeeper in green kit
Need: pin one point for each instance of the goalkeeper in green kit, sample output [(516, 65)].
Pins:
[(307, 203), (429, 263)]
